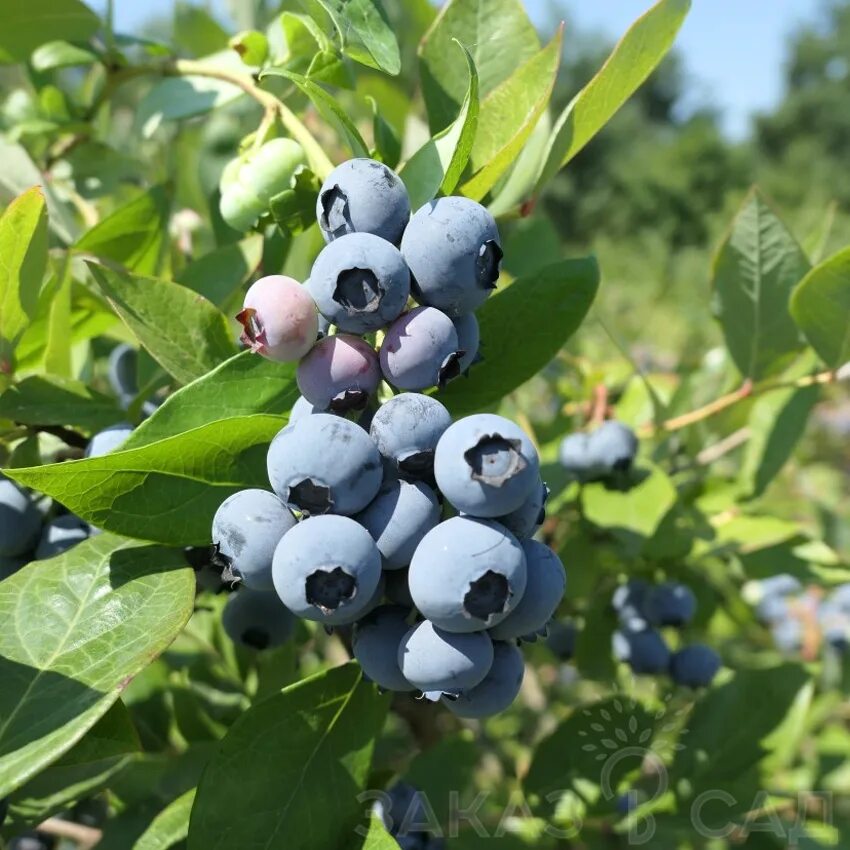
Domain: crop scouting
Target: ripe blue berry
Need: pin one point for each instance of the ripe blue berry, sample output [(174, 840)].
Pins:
[(613, 447), (486, 466), (438, 662), (122, 371), (629, 600), (375, 642), (10, 564), (324, 464), (421, 350), (279, 318), (339, 374), (360, 282), (302, 408), (257, 619), (406, 430), (245, 532), (109, 439), (497, 690), (327, 569), (60, 534), (544, 589), (397, 589), (20, 520), (530, 515), (467, 574), (834, 622), (453, 249), (788, 634), (398, 518), (468, 339), (670, 604), (363, 196), (561, 640), (641, 647), (694, 666), (576, 457)]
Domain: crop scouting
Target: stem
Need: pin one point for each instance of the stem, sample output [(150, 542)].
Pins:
[(747, 390), (319, 162)]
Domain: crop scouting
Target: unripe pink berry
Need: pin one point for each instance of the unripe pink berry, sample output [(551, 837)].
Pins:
[(339, 374), (279, 318)]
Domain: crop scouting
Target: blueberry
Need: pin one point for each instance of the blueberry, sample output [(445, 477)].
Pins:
[(421, 350), (544, 589), (245, 532), (468, 339), (398, 518), (339, 374), (670, 604), (834, 623), (561, 640), (397, 589), (302, 408), (770, 596), (279, 318), (840, 596), (467, 574), (122, 371), (641, 647), (257, 619), (407, 816), (526, 520), (10, 564), (497, 690), (788, 634), (20, 520), (575, 456), (772, 609), (438, 662), (375, 641), (360, 283), (629, 600), (324, 464), (695, 666), (363, 196), (453, 250), (327, 568), (486, 466), (406, 430), (109, 439), (60, 534), (33, 841), (612, 447)]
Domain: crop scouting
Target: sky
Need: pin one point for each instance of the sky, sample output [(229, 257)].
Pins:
[(734, 48)]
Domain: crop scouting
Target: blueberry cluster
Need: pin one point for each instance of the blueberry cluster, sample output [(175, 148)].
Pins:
[(643, 609), (605, 454), (358, 530), (802, 618), (407, 816)]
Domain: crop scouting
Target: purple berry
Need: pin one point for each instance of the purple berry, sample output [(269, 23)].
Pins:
[(340, 373)]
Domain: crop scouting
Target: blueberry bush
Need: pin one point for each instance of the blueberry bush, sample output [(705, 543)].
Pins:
[(327, 522)]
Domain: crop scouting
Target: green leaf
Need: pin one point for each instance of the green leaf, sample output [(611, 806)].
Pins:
[(23, 261), (501, 38), (553, 301), (219, 274), (633, 514), (182, 97), (316, 739), (820, 306), (61, 54), (367, 20), (509, 115), (387, 142), (166, 491), (28, 25), (377, 838), (776, 423), (244, 385), (104, 609), (328, 108), (757, 267), (252, 47), (725, 736), (634, 58), (135, 235), (51, 400), (57, 351), (85, 769), (439, 163), (170, 826), (182, 331), (294, 209)]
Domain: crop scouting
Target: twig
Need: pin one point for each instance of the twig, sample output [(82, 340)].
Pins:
[(719, 449)]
